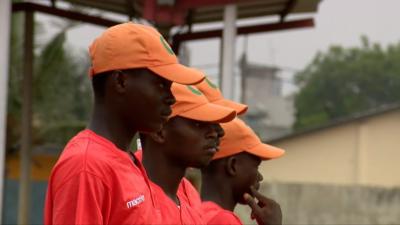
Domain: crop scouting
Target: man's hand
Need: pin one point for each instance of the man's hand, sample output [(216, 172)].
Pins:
[(266, 211)]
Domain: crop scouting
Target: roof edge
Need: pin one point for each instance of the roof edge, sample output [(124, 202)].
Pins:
[(340, 121)]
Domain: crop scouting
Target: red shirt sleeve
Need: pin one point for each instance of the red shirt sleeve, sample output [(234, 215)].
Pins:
[(83, 199), (224, 218)]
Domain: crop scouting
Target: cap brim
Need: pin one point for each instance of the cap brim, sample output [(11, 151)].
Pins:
[(210, 113), (238, 107), (265, 151), (179, 73)]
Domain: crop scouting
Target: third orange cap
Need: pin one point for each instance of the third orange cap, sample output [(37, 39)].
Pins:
[(130, 46), (214, 95), (241, 138), (192, 104)]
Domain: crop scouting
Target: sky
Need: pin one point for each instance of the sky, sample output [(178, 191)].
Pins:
[(340, 22)]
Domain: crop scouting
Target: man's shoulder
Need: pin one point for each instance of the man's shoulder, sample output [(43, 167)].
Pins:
[(189, 193), (214, 214), (228, 215), (188, 186), (83, 149), (224, 217), (86, 153)]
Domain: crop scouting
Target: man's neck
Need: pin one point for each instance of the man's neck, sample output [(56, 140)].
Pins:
[(109, 126), (218, 191), (162, 171)]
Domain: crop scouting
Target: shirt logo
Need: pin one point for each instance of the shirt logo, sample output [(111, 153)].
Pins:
[(135, 202)]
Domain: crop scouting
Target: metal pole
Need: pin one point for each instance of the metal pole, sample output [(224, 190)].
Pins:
[(243, 71), (5, 15), (26, 139), (228, 51)]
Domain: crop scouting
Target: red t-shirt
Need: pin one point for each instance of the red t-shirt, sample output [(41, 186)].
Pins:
[(172, 214), (186, 190), (94, 182), (214, 214), (210, 213), (190, 194)]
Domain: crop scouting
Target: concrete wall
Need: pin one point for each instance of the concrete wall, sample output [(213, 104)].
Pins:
[(318, 157), (380, 164), (361, 152), (328, 204)]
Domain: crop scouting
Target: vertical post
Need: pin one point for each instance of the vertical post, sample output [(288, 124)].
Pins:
[(5, 16), (26, 139), (243, 71), (228, 51)]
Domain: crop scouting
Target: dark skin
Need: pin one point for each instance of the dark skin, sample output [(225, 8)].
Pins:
[(130, 101), (236, 179), (264, 210), (180, 144)]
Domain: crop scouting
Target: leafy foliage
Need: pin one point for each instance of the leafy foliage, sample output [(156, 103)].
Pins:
[(61, 89), (343, 81)]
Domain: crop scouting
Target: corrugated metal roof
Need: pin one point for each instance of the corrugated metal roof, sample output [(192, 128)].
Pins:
[(127, 7), (211, 13), (258, 8)]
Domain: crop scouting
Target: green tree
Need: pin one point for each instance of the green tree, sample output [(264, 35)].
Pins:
[(343, 81), (61, 90)]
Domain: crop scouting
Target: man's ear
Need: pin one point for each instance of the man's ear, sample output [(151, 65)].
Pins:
[(231, 166), (119, 80), (158, 136)]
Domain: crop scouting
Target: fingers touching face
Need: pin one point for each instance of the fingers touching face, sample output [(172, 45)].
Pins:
[(246, 175), (263, 209)]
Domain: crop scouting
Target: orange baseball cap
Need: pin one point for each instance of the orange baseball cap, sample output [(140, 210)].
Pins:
[(192, 104), (241, 138), (130, 46), (214, 95)]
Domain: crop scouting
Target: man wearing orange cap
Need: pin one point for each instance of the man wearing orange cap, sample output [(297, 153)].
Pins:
[(214, 95), (96, 180), (232, 177), (189, 138)]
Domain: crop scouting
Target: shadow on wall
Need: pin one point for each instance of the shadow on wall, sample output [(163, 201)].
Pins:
[(328, 204)]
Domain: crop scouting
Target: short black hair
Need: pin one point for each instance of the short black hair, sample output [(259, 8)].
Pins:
[(99, 82)]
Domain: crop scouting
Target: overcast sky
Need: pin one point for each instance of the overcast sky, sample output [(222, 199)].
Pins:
[(336, 22)]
